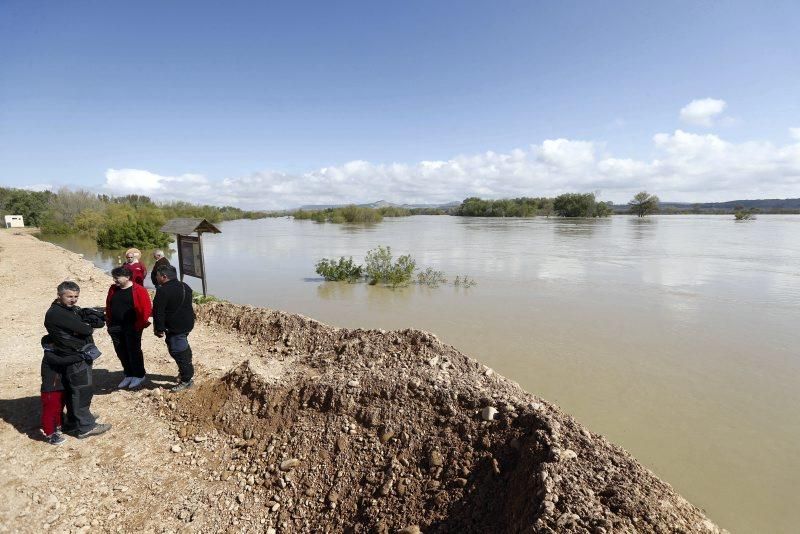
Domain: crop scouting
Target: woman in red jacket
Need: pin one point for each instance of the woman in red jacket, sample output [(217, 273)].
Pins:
[(128, 309), (135, 265)]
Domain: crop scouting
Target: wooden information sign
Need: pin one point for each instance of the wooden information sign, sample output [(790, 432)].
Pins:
[(190, 247)]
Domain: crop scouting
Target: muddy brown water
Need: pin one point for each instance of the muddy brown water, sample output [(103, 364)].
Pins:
[(675, 336)]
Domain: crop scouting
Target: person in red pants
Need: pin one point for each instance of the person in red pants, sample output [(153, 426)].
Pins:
[(53, 399), (67, 367)]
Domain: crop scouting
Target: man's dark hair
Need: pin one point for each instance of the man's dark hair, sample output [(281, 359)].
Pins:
[(167, 270), (121, 271), (66, 285)]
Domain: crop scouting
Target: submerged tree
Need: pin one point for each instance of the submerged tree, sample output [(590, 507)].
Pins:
[(580, 205), (740, 213), (643, 203)]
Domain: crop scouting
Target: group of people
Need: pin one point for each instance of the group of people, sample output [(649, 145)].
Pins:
[(69, 349)]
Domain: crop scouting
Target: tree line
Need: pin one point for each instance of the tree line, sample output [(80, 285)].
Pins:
[(114, 222), (353, 214), (566, 205)]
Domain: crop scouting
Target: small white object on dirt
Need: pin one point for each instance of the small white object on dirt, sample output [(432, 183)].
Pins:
[(488, 413)]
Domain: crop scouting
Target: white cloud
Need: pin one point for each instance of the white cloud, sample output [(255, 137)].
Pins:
[(702, 112), (136, 181), (795, 133), (38, 187), (686, 166)]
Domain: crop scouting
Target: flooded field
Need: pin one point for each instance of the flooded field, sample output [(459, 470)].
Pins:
[(674, 336)]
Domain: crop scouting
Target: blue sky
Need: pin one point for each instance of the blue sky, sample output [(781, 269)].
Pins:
[(277, 104)]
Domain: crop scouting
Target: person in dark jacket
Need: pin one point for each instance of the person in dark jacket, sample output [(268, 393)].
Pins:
[(68, 333), (127, 315), (158, 255), (173, 318)]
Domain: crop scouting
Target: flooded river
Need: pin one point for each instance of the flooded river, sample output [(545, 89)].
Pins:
[(675, 336)]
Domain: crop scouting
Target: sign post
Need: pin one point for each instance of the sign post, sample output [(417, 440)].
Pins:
[(190, 247)]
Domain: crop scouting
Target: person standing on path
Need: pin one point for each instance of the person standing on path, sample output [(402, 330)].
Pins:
[(69, 333), (136, 267), (127, 315), (52, 394), (158, 255), (173, 317)]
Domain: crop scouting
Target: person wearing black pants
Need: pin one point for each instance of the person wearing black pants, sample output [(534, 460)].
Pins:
[(69, 331), (127, 312), (173, 319)]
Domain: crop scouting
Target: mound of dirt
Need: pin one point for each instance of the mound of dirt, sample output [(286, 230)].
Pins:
[(329, 430)]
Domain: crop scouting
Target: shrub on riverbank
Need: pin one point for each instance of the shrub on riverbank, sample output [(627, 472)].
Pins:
[(132, 233), (394, 211), (199, 298), (115, 222)]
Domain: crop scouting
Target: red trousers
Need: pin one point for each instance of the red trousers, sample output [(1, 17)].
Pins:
[(53, 403)]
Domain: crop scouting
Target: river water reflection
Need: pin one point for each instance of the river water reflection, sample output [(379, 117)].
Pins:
[(674, 336)]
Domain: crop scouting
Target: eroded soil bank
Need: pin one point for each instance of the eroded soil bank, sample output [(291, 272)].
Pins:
[(332, 429), (296, 426)]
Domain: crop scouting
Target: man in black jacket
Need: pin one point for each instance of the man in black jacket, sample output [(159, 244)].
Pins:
[(173, 317), (69, 330), (158, 255)]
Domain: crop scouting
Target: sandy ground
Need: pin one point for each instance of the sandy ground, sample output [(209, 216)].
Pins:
[(123, 478)]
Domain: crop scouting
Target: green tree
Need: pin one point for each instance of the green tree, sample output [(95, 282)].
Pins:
[(574, 205), (643, 203), (740, 213), (505, 207), (89, 222), (32, 205), (64, 207), (120, 234), (602, 209)]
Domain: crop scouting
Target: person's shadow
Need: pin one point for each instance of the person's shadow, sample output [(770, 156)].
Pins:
[(24, 413)]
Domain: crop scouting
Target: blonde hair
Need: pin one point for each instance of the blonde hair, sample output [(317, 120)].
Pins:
[(135, 251)]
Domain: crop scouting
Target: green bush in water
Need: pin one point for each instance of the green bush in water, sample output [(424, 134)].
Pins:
[(431, 277), (380, 268), (132, 233), (343, 270), (464, 281), (743, 214)]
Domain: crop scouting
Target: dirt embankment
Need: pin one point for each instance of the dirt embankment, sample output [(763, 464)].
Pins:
[(311, 428)]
